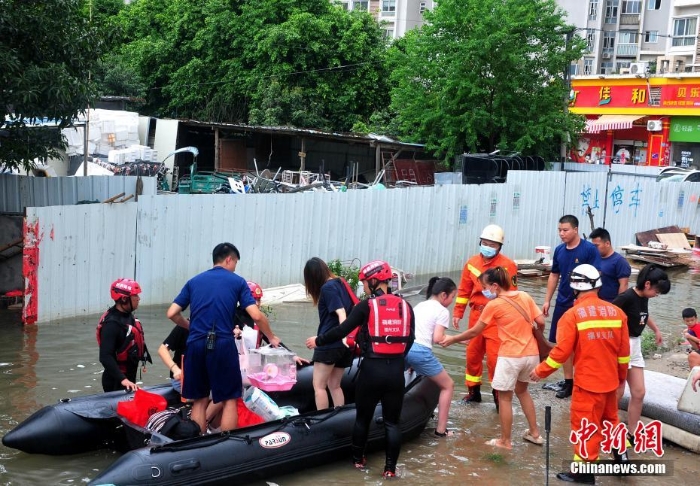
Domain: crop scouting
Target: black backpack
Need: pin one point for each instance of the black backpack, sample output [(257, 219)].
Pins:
[(174, 423)]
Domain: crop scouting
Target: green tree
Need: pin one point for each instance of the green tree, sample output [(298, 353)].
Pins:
[(484, 75), (47, 48), (305, 63)]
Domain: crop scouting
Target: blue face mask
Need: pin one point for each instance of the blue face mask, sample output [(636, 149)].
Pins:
[(487, 251), (488, 294)]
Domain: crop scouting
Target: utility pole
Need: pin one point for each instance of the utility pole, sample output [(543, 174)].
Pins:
[(567, 85)]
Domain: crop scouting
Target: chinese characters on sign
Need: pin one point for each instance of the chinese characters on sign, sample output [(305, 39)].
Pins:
[(647, 437), (617, 198)]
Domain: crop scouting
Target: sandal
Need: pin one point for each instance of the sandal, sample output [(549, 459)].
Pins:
[(446, 433), (535, 440)]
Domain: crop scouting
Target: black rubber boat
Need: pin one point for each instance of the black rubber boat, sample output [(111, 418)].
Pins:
[(309, 439)]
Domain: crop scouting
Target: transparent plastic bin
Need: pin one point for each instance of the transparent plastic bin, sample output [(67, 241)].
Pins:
[(272, 369)]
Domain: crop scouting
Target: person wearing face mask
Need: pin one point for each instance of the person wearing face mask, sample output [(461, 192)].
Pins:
[(471, 293)]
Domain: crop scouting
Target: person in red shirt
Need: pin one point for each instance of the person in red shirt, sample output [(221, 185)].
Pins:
[(692, 335), (469, 293), (595, 332)]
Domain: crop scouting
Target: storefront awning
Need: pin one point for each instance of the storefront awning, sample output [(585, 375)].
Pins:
[(611, 122)]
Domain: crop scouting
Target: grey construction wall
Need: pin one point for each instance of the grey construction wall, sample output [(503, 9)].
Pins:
[(164, 240)]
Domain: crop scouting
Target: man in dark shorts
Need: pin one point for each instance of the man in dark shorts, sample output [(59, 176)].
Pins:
[(211, 362)]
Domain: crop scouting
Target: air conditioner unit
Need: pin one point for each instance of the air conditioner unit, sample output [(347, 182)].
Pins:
[(654, 125), (639, 67), (607, 55)]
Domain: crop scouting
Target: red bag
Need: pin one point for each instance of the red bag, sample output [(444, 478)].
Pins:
[(141, 407), (351, 339), (246, 418)]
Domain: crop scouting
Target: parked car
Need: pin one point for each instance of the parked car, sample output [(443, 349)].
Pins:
[(677, 174)]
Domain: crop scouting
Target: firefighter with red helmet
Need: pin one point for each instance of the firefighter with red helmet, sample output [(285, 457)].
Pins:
[(387, 331), (121, 339)]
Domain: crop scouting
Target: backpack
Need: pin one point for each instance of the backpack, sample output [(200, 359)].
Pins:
[(174, 423), (351, 339)]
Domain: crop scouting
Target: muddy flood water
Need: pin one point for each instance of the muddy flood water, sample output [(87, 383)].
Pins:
[(42, 364)]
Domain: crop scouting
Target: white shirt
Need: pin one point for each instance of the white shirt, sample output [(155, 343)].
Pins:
[(429, 313)]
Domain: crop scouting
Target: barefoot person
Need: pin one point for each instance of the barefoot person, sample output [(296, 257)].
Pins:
[(518, 354), (432, 318)]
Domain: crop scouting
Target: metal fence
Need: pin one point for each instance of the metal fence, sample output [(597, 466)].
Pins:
[(163, 241), (19, 192)]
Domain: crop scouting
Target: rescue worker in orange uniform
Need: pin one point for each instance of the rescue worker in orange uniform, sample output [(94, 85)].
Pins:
[(596, 333), (470, 294)]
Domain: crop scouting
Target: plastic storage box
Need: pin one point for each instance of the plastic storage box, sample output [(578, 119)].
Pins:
[(272, 369)]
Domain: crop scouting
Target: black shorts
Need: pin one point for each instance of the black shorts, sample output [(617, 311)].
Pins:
[(340, 357)]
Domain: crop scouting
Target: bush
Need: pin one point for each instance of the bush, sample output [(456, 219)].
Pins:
[(348, 271), (649, 345)]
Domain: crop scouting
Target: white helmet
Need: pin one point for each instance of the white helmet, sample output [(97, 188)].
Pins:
[(492, 233), (585, 277)]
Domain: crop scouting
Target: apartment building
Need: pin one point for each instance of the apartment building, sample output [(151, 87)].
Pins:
[(635, 36), (395, 16)]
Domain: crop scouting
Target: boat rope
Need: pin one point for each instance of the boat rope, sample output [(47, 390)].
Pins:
[(208, 440)]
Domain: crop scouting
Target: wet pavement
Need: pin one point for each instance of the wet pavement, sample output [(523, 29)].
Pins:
[(41, 364)]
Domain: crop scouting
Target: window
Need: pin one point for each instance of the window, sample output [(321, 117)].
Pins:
[(654, 5), (628, 37), (388, 34), (587, 67), (684, 31), (631, 6), (573, 69), (606, 67), (360, 5), (622, 65), (388, 7), (593, 10), (651, 36), (611, 7), (590, 40), (608, 39)]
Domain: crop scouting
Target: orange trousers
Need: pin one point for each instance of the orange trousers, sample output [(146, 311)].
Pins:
[(596, 408), (487, 343)]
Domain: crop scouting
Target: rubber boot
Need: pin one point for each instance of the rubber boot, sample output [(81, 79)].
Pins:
[(565, 391), (474, 395), (620, 459), (495, 400)]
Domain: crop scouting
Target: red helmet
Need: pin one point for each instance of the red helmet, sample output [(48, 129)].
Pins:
[(124, 287), (256, 290), (376, 269)]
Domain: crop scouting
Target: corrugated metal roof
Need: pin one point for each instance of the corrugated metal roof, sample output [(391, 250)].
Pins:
[(369, 139)]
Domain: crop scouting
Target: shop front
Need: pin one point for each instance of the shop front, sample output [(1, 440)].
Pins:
[(630, 120)]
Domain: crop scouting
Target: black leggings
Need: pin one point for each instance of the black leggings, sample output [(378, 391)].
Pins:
[(380, 379)]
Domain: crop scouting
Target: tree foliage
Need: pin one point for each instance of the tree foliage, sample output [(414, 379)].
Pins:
[(485, 74), (47, 48), (305, 63)]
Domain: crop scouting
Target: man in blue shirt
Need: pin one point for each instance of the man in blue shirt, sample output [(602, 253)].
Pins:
[(572, 252), (614, 269), (211, 358)]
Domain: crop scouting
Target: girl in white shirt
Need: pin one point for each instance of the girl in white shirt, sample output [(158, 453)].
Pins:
[(432, 318)]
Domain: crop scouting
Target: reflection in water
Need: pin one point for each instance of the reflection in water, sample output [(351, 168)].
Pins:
[(59, 359)]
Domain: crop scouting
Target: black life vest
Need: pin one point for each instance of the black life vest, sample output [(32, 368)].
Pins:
[(133, 349), (389, 326)]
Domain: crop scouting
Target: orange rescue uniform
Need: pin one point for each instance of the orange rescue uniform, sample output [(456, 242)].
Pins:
[(596, 333), (469, 293)]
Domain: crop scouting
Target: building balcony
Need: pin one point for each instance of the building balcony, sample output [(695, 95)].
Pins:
[(630, 19), (627, 50), (686, 3)]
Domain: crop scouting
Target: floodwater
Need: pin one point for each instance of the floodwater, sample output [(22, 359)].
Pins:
[(41, 364)]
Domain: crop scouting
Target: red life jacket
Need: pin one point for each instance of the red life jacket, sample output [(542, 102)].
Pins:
[(389, 325), (351, 339), (134, 343)]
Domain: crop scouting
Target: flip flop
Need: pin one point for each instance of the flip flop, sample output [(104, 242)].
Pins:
[(446, 433), (535, 440)]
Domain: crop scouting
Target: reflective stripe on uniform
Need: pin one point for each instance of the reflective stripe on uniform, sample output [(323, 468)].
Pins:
[(462, 300), (473, 379), (583, 326), (475, 271), (552, 363), (623, 359)]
